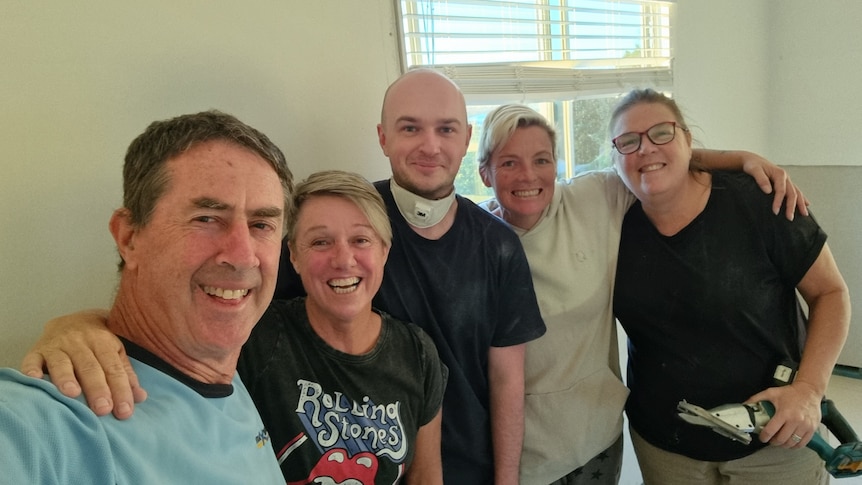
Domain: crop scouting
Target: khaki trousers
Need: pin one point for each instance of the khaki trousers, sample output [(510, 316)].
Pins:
[(769, 466)]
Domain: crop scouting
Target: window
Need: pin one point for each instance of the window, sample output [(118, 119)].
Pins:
[(568, 59)]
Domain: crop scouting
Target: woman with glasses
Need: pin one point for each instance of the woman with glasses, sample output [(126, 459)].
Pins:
[(570, 231), (706, 287)]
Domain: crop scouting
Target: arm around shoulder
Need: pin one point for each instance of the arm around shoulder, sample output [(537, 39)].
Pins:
[(80, 353), (767, 175)]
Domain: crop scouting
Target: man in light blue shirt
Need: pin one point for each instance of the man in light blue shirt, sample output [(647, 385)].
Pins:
[(199, 236)]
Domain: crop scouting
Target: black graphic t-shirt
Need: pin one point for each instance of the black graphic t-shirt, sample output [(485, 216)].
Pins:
[(331, 414)]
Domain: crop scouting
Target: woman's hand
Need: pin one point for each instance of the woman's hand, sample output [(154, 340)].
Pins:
[(772, 178), (797, 414), (80, 353)]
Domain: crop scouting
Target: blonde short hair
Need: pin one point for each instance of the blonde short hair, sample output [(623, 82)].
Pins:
[(501, 124), (347, 185)]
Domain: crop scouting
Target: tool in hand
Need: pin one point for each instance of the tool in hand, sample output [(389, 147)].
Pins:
[(739, 421)]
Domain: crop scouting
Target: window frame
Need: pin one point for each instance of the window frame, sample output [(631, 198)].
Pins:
[(561, 82)]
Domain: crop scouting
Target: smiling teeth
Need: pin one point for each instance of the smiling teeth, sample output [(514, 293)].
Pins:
[(526, 193), (344, 285), (650, 168), (225, 294)]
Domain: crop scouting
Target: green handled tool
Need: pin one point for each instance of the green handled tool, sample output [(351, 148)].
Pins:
[(739, 421)]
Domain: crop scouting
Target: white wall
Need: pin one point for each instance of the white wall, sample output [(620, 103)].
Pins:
[(719, 76), (815, 68), (81, 79), (778, 77)]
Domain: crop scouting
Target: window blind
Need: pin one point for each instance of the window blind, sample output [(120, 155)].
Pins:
[(497, 50)]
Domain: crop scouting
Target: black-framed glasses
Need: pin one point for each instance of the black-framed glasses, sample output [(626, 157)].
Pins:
[(660, 134)]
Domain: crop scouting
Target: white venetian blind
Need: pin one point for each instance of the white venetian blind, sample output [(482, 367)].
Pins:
[(497, 50)]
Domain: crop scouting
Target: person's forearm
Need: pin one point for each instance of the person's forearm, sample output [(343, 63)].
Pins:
[(427, 468), (506, 368), (770, 177), (721, 159), (507, 430), (829, 322), (828, 299)]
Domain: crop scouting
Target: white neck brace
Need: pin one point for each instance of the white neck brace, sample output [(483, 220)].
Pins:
[(419, 211)]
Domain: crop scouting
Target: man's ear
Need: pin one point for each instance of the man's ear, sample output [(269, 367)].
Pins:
[(124, 233), (381, 138)]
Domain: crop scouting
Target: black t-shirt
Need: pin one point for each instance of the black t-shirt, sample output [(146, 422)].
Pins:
[(336, 415), (469, 290), (710, 311)]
